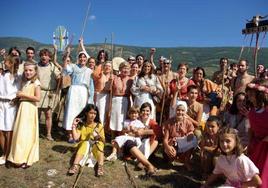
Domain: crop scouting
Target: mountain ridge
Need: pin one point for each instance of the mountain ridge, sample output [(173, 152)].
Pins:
[(207, 57)]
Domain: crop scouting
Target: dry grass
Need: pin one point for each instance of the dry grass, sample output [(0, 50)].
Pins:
[(56, 155)]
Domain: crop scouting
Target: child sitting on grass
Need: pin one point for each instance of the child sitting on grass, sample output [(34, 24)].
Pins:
[(208, 144), (238, 169), (91, 136), (130, 128)]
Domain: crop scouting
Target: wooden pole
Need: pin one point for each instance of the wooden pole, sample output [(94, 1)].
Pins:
[(164, 98), (85, 20), (112, 46), (256, 53)]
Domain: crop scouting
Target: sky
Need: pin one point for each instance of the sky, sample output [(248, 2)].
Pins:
[(148, 23)]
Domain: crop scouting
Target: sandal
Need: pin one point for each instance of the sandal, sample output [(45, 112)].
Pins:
[(151, 171), (74, 169), (139, 166), (24, 166), (100, 171), (49, 138)]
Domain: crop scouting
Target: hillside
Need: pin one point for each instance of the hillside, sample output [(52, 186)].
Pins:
[(206, 57)]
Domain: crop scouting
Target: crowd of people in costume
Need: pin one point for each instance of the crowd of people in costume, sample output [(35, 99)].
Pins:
[(142, 106)]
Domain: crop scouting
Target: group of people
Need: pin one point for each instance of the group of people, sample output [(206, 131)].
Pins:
[(139, 106)]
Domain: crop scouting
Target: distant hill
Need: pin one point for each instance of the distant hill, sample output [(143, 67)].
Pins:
[(207, 57)]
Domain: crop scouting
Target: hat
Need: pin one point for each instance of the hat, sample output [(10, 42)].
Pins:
[(162, 58), (84, 52), (131, 58), (116, 62), (182, 103)]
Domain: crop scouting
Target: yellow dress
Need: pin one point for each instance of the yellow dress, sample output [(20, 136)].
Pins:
[(25, 139), (87, 134)]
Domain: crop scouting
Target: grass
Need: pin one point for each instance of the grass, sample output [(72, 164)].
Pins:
[(55, 157)]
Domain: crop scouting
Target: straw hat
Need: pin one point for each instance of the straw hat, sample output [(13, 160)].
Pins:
[(116, 62)]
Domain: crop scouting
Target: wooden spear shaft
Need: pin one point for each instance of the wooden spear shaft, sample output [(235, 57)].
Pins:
[(164, 99), (256, 53)]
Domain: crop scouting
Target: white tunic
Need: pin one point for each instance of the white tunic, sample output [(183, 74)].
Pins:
[(118, 112), (121, 140), (141, 96), (8, 89), (78, 93)]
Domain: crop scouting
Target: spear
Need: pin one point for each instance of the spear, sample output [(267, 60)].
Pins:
[(84, 24), (86, 18)]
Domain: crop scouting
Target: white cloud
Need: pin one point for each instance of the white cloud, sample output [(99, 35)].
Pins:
[(92, 17)]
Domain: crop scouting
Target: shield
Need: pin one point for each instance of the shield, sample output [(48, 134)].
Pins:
[(60, 38)]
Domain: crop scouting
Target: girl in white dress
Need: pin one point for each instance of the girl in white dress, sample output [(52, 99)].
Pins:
[(130, 127)]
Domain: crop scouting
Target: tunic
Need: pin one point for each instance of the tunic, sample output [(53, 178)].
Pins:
[(87, 145), (121, 140), (78, 93), (102, 84), (120, 102), (9, 88), (142, 96), (258, 149), (48, 75), (25, 139)]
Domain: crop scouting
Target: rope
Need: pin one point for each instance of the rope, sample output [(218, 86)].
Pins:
[(250, 42), (262, 39), (243, 46)]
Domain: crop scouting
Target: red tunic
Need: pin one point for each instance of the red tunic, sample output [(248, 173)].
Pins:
[(258, 149)]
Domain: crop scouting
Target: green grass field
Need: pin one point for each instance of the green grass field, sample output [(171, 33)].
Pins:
[(51, 169)]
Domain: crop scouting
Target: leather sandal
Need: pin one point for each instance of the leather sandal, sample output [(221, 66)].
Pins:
[(74, 169), (100, 171)]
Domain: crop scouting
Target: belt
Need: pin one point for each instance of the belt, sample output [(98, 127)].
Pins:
[(5, 100)]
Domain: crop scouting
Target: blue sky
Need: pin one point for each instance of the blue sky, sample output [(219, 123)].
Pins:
[(150, 23)]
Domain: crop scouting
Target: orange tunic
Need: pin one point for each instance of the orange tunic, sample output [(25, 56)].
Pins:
[(102, 82)]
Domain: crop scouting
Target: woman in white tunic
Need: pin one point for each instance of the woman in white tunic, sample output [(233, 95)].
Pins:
[(10, 83), (102, 77), (120, 101), (78, 93), (145, 86)]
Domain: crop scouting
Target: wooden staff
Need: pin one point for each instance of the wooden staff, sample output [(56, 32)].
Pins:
[(110, 104), (62, 101), (86, 18), (112, 46), (84, 24), (108, 117), (256, 53), (223, 90), (164, 99)]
